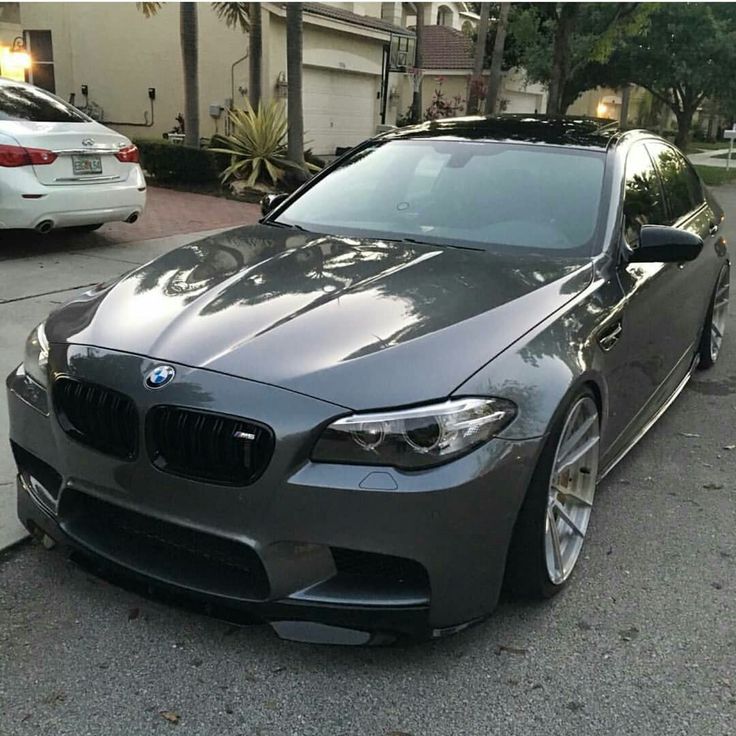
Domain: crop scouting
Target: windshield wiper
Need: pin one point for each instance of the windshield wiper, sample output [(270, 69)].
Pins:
[(438, 245), (289, 225)]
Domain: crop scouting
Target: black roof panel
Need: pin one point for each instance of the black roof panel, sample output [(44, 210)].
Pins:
[(553, 130)]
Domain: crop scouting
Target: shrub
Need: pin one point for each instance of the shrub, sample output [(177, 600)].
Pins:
[(256, 146), (174, 163)]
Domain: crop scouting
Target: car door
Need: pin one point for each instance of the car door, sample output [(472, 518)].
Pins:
[(629, 339), (683, 295)]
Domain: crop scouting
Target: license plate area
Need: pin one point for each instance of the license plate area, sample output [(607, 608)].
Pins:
[(84, 165)]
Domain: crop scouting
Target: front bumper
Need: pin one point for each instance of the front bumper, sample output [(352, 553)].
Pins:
[(449, 527)]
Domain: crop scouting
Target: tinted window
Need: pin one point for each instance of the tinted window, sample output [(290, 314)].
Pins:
[(681, 185), (485, 195), (643, 202), (27, 103)]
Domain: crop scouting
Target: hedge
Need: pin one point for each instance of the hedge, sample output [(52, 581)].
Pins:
[(172, 162)]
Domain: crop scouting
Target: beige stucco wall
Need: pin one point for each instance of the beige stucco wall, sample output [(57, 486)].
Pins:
[(119, 54)]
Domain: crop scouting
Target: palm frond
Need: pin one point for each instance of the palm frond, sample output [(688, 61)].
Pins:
[(235, 15), (149, 9)]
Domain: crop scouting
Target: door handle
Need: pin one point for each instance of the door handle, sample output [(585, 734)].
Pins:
[(713, 229), (610, 336)]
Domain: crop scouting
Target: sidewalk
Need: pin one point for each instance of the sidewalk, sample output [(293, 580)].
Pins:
[(709, 158)]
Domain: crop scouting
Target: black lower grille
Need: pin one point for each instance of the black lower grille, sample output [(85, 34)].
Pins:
[(36, 468), (97, 416), (206, 446), (387, 568), (175, 554)]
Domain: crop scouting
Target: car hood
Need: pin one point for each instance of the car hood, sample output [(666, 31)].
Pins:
[(361, 323)]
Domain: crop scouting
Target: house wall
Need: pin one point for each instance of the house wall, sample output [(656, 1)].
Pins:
[(119, 54)]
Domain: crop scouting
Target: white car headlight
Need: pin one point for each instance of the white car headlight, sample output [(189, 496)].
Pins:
[(36, 358), (414, 438)]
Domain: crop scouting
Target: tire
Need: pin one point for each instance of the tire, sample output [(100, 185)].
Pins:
[(541, 561), (711, 340)]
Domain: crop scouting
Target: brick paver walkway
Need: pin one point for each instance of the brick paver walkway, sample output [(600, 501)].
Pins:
[(170, 212)]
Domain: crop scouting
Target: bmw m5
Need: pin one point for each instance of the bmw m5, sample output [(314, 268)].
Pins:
[(360, 417)]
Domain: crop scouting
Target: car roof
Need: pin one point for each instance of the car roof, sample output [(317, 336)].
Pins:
[(558, 130)]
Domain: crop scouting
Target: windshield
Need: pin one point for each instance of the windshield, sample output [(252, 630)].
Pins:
[(28, 103), (491, 196)]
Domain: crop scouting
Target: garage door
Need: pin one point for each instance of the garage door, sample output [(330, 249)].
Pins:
[(339, 108)]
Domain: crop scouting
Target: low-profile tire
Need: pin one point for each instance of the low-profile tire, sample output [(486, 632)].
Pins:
[(715, 322), (553, 520)]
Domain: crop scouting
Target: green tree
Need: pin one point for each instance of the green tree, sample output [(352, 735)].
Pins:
[(558, 43), (686, 56)]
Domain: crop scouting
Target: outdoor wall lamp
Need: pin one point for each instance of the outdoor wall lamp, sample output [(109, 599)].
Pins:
[(282, 88), (16, 57)]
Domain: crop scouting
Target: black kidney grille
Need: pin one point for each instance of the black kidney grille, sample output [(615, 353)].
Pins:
[(97, 416), (206, 446)]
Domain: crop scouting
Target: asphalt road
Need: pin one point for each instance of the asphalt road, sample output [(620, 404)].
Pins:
[(642, 642)]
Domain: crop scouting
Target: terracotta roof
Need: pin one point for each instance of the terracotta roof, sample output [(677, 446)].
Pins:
[(335, 13), (445, 48)]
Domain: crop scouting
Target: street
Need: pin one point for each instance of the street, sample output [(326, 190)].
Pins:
[(642, 642)]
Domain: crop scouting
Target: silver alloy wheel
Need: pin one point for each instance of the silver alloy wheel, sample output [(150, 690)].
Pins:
[(571, 489), (719, 313)]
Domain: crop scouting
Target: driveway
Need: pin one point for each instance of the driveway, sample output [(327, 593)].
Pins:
[(643, 642), (39, 272)]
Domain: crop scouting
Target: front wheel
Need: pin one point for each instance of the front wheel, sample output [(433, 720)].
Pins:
[(715, 321), (551, 527)]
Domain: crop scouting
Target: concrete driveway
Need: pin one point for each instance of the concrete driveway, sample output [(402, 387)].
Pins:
[(38, 273), (643, 642)]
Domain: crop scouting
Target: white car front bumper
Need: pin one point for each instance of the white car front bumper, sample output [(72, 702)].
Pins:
[(67, 205)]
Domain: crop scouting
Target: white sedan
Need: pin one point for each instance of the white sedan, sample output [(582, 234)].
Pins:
[(60, 168)]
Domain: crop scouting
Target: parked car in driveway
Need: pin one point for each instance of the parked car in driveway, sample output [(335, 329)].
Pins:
[(358, 417), (59, 168)]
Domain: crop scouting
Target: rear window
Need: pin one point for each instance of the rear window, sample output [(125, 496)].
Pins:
[(491, 196), (36, 105)]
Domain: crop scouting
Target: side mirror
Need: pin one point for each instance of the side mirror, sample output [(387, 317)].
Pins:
[(271, 201), (663, 244)]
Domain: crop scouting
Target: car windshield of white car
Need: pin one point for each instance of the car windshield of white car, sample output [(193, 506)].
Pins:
[(490, 196), (28, 103)]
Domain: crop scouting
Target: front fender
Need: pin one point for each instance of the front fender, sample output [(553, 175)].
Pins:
[(543, 370)]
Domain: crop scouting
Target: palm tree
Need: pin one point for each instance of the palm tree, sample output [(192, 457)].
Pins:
[(295, 113), (476, 82), (416, 104), (247, 17), (190, 63), (494, 79)]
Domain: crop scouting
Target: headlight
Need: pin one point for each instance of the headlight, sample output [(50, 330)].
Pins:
[(36, 358), (414, 438)]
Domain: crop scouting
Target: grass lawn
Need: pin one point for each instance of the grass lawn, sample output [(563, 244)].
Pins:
[(713, 175)]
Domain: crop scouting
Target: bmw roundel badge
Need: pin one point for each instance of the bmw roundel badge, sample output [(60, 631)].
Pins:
[(160, 376)]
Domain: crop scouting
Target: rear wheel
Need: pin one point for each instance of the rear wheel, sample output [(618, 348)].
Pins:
[(553, 521), (715, 321)]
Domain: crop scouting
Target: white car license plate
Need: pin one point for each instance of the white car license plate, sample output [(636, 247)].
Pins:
[(82, 165)]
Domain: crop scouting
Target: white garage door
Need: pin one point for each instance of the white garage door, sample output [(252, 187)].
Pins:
[(525, 102), (339, 108)]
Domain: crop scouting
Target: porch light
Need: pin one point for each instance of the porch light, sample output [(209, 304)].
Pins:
[(16, 59), (602, 109)]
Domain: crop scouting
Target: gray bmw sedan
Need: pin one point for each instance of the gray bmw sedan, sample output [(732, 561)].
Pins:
[(358, 418)]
